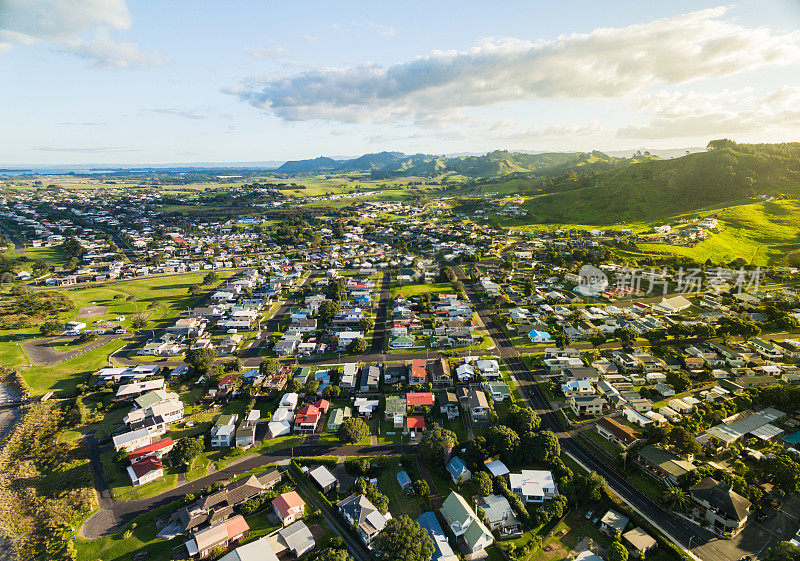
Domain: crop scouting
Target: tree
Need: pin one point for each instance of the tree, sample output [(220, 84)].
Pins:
[(352, 430), (482, 483), (185, 451), (195, 290), (676, 499), (561, 339), (541, 447), (211, 278), (331, 392), (617, 552), (678, 380), (366, 324), (269, 367), (522, 419), (422, 489), (684, 441), (331, 554), (655, 336), (51, 327), (312, 385), (327, 310), (357, 346), (403, 539), (597, 339), (138, 321), (293, 385), (436, 443), (625, 336), (502, 440), (200, 360), (783, 551)]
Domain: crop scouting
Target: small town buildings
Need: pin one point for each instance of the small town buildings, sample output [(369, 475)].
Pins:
[(145, 470), (323, 479), (441, 546), (224, 431), (220, 535)]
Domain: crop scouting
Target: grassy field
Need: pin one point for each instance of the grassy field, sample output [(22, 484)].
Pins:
[(410, 290), (761, 234)]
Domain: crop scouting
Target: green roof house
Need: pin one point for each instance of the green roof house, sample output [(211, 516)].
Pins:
[(471, 534)]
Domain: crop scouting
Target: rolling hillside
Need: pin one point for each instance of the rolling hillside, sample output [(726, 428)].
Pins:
[(725, 175)]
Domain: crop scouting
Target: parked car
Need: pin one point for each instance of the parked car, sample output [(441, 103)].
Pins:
[(120, 331), (589, 514)]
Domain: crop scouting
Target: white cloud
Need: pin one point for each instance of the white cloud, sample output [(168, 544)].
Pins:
[(185, 113), (80, 27), (692, 114), (606, 63)]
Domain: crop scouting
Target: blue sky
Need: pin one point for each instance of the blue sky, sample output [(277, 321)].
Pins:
[(110, 81)]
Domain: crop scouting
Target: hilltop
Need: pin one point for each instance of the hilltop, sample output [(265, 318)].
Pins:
[(726, 174)]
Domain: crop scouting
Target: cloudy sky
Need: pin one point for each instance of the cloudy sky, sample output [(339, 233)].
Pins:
[(124, 81)]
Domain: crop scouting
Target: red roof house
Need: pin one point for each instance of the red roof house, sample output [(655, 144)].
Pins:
[(146, 471), (322, 405), (289, 507), (156, 449), (419, 371), (419, 399), (416, 423), (306, 419)]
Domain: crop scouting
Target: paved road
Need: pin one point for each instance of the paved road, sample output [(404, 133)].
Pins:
[(381, 316), (116, 514), (680, 531), (42, 353)]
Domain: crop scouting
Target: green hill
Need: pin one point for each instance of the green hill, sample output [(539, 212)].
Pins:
[(726, 174)]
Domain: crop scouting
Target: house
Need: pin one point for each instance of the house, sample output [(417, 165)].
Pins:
[(394, 409), (288, 507), (532, 485), (402, 342), (348, 378), (259, 550), (418, 400), (498, 391), (132, 440), (404, 481), (672, 305), (339, 416), (471, 534), (499, 515), (616, 432), (721, 507), (577, 387), (324, 479), (639, 541), (306, 419), (358, 511), (246, 433), (418, 372), (298, 538), (539, 337), (220, 535), (414, 424), (613, 522), (489, 368), (448, 403), (766, 350), (587, 405), (155, 450), (663, 465), (496, 468), (441, 546), (224, 431), (440, 372), (458, 470), (146, 470), (478, 405)]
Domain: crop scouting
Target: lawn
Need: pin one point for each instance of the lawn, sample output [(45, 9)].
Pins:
[(66, 376), (399, 502), (410, 290)]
